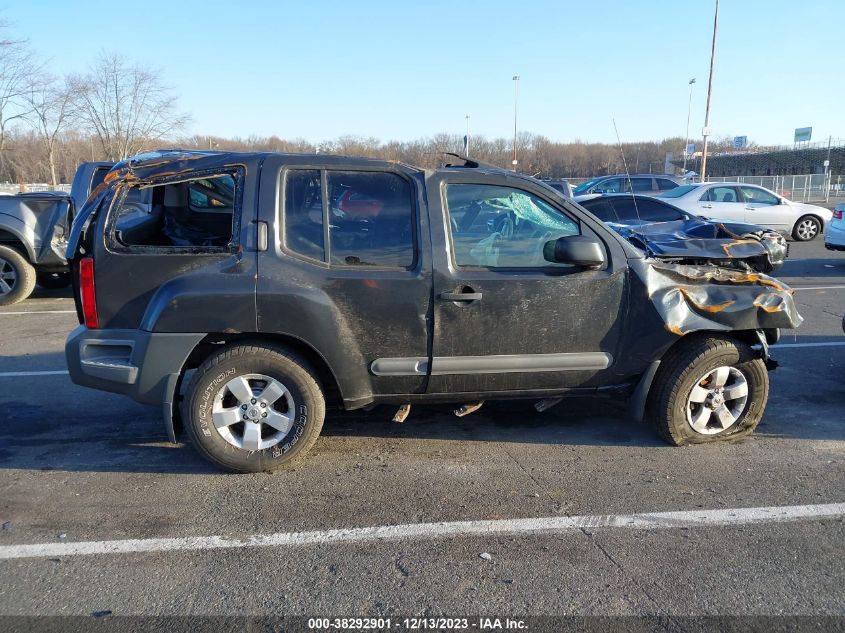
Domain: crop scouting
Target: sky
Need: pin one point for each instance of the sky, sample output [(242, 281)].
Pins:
[(320, 69)]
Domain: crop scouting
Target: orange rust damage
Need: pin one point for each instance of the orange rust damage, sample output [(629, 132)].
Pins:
[(762, 302), (674, 329), (705, 307), (727, 247), (755, 278), (129, 177), (730, 233)]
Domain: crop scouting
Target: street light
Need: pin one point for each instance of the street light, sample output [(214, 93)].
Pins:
[(706, 131), (466, 139), (689, 110), (515, 99)]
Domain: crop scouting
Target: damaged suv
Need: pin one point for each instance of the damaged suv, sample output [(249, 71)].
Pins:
[(257, 289)]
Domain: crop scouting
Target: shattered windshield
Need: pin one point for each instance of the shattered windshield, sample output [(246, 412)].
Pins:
[(495, 226)]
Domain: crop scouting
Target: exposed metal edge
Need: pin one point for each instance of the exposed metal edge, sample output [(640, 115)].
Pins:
[(494, 364)]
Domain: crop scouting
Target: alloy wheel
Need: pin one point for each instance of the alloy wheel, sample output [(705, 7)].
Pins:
[(8, 277), (253, 412), (717, 400), (807, 229)]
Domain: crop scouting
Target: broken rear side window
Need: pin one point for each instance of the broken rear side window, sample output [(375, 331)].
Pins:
[(198, 213)]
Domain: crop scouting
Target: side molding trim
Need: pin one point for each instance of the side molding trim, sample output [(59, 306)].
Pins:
[(494, 364)]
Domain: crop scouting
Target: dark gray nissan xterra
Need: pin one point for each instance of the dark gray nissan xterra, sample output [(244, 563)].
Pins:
[(254, 290)]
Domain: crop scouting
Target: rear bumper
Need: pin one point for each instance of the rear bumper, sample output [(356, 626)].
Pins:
[(141, 365), (834, 237)]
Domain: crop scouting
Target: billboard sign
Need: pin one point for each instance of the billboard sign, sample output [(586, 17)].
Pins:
[(803, 134), (690, 149), (740, 142)]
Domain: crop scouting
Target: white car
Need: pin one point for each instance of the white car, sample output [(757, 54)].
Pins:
[(834, 236), (752, 204)]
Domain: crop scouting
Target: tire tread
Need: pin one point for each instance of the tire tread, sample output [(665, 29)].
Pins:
[(257, 351), (26, 276), (677, 367)]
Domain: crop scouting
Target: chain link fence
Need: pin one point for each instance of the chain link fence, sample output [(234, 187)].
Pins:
[(797, 187), (9, 188)]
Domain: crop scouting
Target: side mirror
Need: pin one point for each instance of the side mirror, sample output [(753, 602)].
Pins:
[(578, 250)]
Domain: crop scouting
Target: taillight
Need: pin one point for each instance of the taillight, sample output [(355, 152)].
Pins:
[(87, 292), (837, 214)]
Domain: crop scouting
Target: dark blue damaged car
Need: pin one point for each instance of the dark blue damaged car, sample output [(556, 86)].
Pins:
[(671, 234)]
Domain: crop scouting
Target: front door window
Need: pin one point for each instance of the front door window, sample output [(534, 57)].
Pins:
[(502, 227)]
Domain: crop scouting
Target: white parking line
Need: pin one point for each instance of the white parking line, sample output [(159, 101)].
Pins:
[(829, 344), (645, 521), (18, 374), (39, 312), (817, 287)]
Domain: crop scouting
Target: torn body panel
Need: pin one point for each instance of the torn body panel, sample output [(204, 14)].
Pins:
[(743, 247), (692, 298)]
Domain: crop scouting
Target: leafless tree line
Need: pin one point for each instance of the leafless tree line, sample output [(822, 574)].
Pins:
[(50, 124), (116, 107), (537, 154)]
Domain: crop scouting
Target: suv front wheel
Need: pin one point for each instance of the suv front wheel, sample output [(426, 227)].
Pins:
[(253, 408), (710, 389)]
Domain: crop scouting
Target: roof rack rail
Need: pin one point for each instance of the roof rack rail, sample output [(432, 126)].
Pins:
[(469, 162)]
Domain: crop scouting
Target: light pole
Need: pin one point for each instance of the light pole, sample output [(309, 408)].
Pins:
[(466, 139), (689, 111), (706, 131), (515, 100)]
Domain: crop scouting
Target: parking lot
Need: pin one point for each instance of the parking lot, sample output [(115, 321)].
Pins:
[(81, 466)]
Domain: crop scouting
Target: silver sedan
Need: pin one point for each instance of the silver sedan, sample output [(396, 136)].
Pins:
[(740, 202)]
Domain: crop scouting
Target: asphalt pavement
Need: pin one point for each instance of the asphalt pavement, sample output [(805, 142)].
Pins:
[(82, 466)]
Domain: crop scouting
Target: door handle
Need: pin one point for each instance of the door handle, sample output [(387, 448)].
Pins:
[(263, 237), (706, 206), (460, 296)]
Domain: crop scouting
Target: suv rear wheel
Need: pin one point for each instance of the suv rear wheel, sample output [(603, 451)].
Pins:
[(709, 390), (254, 408), (17, 277)]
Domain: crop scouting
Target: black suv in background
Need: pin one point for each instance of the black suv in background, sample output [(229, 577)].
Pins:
[(254, 290)]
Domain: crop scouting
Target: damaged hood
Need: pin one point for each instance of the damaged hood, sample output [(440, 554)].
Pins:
[(691, 298), (693, 241)]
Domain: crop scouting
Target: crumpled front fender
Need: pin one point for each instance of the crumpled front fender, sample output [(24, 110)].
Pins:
[(696, 298)]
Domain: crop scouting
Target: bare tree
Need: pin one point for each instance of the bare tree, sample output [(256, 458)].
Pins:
[(126, 106), (16, 66), (51, 105)]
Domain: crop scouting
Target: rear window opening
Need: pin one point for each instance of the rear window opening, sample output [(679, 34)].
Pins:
[(197, 213)]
